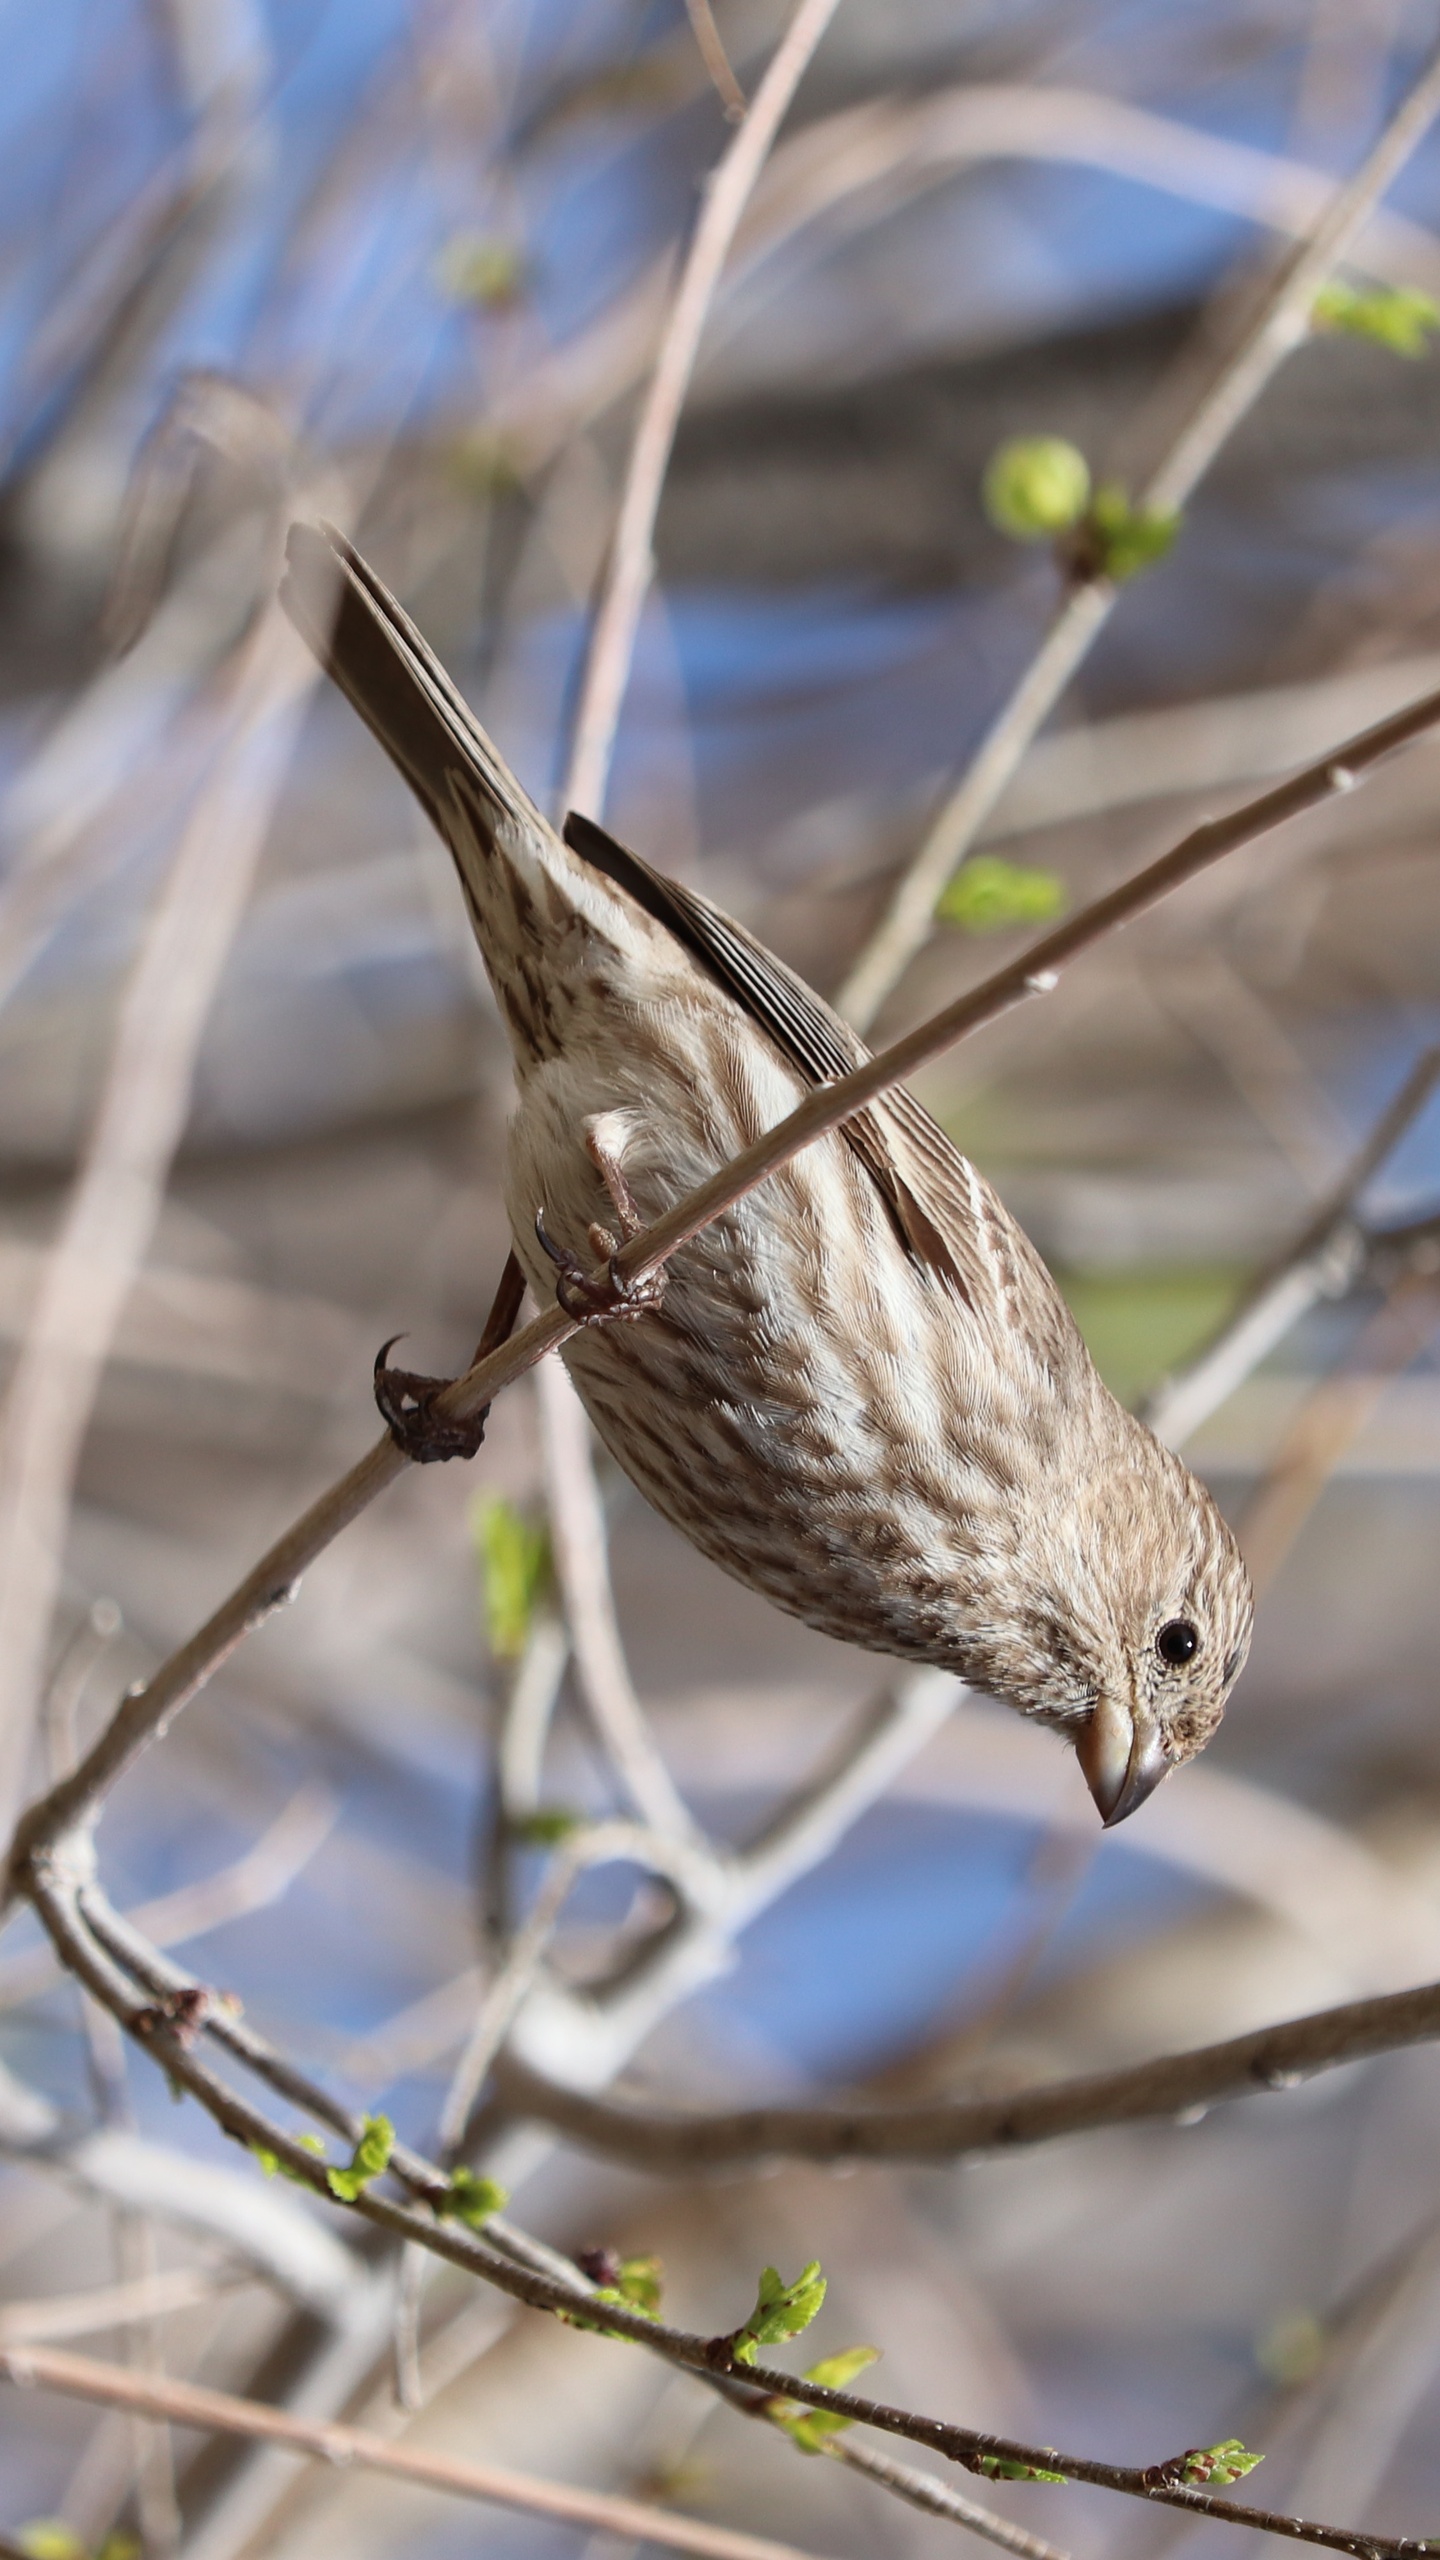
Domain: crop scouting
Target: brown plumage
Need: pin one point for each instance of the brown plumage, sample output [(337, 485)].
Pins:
[(862, 1393)]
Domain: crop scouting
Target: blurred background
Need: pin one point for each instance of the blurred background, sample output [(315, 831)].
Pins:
[(405, 262)]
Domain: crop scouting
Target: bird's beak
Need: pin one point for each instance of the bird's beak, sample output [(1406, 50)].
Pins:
[(1123, 1759)]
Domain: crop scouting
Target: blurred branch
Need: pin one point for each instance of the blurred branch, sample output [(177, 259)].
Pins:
[(111, 2306), (1174, 2085), (577, 1523), (192, 2405), (112, 1209), (1276, 329), (252, 1883), (68, 1807), (895, 148), (935, 2498), (269, 2230), (631, 563), (1333, 1414), (715, 58), (1321, 1263)]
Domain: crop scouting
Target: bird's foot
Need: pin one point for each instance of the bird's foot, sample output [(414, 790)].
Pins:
[(407, 1399), (610, 1297), (407, 1402)]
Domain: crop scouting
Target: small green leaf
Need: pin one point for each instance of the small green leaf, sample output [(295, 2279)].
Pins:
[(472, 2199), (515, 1567), (995, 2468), (1035, 487), (1396, 316), (1212, 2466), (987, 895), (474, 268), (273, 2163), (781, 2311), (545, 1827), (120, 2545), (640, 2284), (1120, 539), (370, 2157), (813, 2429)]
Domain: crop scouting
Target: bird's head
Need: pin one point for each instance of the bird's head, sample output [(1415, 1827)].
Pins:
[(1136, 1621)]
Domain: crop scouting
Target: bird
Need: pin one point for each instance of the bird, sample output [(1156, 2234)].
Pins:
[(859, 1391)]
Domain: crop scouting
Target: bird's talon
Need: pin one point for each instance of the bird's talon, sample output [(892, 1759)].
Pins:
[(587, 1300), (407, 1400)]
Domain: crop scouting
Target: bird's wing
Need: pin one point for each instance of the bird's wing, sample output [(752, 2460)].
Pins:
[(947, 1216)]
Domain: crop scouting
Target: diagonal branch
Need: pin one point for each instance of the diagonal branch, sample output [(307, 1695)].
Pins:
[(190, 2404), (631, 563), (1322, 1262), (1172, 2086), (142, 1715)]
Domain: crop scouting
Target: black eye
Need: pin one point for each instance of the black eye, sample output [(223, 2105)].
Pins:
[(1177, 1642)]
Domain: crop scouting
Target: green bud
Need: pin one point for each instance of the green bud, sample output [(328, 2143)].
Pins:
[(471, 268), (987, 895), (1035, 487)]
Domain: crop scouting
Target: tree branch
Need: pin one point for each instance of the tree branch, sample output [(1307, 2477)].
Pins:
[(631, 563), (1321, 1263), (1172, 2085), (190, 2404)]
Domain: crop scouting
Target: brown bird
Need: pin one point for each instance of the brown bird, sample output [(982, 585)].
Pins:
[(859, 1391)]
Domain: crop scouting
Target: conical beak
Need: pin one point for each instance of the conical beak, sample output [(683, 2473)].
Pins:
[(1123, 1759)]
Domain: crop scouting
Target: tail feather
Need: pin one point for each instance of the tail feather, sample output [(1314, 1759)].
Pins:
[(403, 694)]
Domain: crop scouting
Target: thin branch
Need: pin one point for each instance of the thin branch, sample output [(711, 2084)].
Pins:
[(141, 1715), (112, 1210), (112, 2306), (1330, 1418), (715, 58), (1321, 1263), (524, 2273), (627, 579), (1277, 328), (936, 2498), (190, 2404), (251, 1883), (577, 1522), (1172, 2086)]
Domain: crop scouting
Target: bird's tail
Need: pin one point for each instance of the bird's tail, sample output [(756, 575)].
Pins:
[(402, 693)]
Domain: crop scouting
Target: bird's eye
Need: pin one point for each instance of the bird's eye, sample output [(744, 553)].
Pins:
[(1177, 1642)]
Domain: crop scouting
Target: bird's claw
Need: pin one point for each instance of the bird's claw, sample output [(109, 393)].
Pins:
[(407, 1405), (590, 1300)]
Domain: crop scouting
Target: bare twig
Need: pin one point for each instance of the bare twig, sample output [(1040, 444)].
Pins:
[(627, 579), (1331, 1416), (112, 1210), (190, 2404), (715, 58), (1276, 329), (936, 2498), (1322, 1262), (577, 1522), (111, 2306), (252, 1883), (1172, 2086), (272, 1581)]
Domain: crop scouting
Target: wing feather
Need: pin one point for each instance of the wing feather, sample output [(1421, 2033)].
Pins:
[(945, 1213)]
